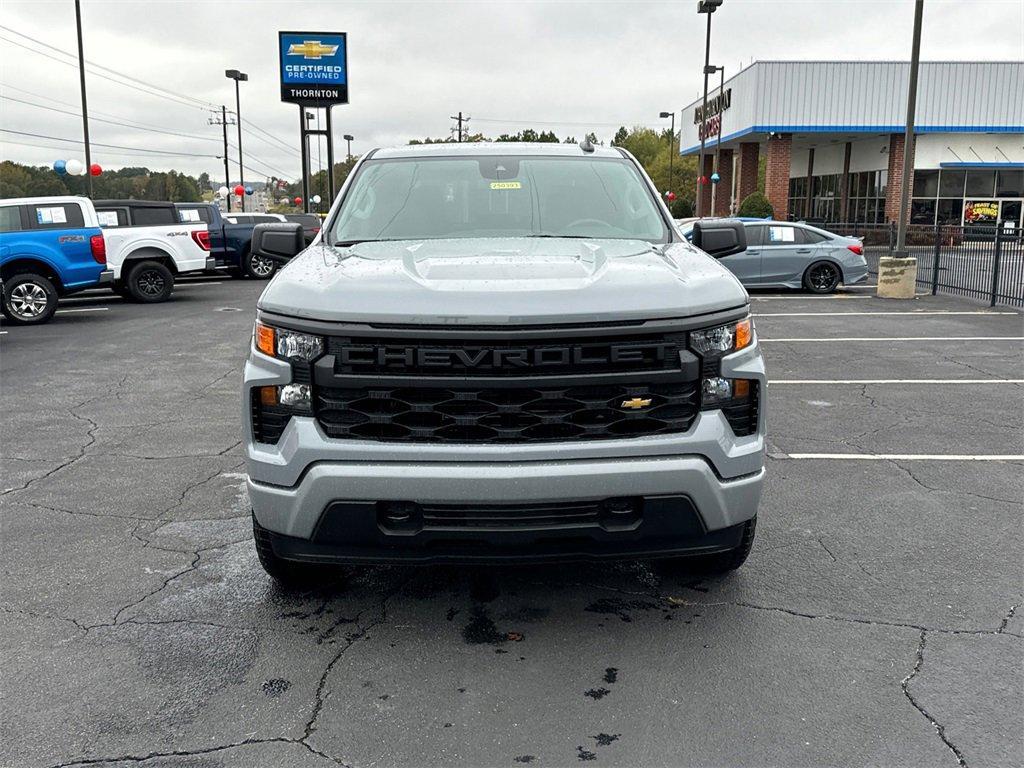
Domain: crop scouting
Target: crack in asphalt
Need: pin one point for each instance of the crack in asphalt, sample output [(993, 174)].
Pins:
[(905, 685), (1006, 620), (90, 440), (958, 492), (190, 753)]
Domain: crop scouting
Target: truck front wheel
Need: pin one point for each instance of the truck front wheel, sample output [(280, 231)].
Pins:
[(720, 562), (149, 282), (29, 299), (287, 573)]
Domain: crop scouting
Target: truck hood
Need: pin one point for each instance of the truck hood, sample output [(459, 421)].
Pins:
[(501, 280)]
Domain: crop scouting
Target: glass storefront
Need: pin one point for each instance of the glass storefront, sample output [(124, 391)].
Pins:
[(867, 198)]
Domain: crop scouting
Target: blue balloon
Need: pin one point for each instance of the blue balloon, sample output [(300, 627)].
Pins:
[(248, 190), (715, 178), (60, 166)]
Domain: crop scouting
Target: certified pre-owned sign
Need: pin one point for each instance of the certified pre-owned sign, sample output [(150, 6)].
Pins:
[(314, 68)]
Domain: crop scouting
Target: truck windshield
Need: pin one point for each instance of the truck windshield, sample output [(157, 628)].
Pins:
[(498, 196)]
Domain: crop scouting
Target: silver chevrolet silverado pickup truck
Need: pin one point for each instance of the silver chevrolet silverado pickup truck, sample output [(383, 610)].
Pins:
[(502, 352)]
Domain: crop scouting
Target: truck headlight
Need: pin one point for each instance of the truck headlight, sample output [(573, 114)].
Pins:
[(287, 345), (722, 339)]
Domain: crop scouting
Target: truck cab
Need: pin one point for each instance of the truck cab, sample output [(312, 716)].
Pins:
[(49, 247), (149, 247), (230, 236)]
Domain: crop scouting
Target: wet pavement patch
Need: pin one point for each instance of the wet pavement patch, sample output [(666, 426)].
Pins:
[(611, 675), (276, 687), (612, 606), (585, 754), (597, 693), (604, 739), (481, 630)]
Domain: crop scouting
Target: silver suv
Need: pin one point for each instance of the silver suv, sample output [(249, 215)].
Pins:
[(497, 352)]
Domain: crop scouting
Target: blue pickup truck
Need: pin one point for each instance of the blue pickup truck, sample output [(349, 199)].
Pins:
[(230, 235), (49, 247)]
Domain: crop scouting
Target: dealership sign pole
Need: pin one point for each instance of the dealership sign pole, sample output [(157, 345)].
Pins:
[(314, 74), (85, 105)]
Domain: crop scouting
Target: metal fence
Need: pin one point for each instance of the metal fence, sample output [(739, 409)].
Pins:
[(980, 262)]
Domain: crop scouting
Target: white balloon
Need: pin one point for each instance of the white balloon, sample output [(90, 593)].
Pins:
[(316, 199), (75, 167), (223, 191)]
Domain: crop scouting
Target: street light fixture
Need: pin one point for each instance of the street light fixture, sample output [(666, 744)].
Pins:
[(708, 7), (349, 138), (671, 147), (238, 77)]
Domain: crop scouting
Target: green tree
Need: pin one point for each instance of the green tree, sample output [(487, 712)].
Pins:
[(756, 205)]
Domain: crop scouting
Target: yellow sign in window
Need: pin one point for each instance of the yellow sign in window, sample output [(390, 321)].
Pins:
[(506, 185)]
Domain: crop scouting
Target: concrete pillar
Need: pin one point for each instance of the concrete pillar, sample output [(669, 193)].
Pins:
[(897, 278), (746, 181), (705, 190), (809, 191), (776, 180), (844, 182), (723, 190), (895, 181)]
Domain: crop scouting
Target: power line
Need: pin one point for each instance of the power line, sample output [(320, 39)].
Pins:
[(197, 102), (105, 152), (103, 77), (110, 146), (120, 118), (561, 123), (282, 142), (112, 122), (264, 163)]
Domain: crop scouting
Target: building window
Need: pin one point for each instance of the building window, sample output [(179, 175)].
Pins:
[(1010, 184), (922, 211), (950, 211), (926, 184), (867, 197), (980, 183)]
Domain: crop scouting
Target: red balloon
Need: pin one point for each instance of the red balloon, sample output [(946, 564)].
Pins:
[(95, 169), (239, 190), (703, 180), (671, 196), (298, 201)]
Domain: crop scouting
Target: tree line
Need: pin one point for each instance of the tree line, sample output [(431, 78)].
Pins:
[(17, 180)]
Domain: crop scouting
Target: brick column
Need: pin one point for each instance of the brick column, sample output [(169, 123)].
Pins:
[(894, 185), (776, 180), (723, 191), (746, 173), (705, 190)]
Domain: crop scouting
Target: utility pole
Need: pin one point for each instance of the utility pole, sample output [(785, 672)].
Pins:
[(460, 120), (85, 105), (908, 134), (708, 7), (223, 121), (238, 77)]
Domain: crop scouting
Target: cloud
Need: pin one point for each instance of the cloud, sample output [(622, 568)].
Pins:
[(569, 66)]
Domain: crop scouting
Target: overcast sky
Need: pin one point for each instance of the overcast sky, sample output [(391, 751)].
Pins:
[(567, 66)]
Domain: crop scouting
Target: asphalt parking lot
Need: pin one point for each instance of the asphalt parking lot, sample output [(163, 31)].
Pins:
[(877, 622)]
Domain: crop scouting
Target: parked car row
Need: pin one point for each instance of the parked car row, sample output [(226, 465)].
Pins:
[(52, 247), (784, 254)]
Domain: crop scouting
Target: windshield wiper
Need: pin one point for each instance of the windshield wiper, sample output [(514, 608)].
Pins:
[(350, 243)]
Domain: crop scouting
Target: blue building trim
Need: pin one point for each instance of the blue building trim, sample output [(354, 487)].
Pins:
[(856, 129), (982, 164)]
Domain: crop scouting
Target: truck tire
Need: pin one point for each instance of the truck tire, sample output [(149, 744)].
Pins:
[(149, 282), (720, 562), (29, 299), (287, 573), (258, 267)]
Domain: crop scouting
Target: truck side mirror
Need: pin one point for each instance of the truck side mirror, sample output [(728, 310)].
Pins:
[(277, 242), (720, 237)]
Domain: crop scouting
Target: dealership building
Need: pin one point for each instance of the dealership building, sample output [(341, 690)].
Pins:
[(831, 134)]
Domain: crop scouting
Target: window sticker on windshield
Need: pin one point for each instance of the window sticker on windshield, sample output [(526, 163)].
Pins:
[(506, 185), (107, 218), (781, 234), (51, 215), (189, 214)]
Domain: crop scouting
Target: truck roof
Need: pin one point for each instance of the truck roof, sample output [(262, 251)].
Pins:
[(518, 149), (133, 203), (44, 199)]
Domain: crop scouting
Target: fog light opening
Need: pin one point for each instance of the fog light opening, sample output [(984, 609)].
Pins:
[(296, 396)]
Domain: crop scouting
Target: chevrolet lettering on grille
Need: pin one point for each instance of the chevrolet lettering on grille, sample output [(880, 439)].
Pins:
[(505, 357)]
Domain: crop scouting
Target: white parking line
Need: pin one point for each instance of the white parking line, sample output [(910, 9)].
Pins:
[(838, 297), (904, 338), (913, 313), (82, 309), (776, 382), (905, 456)]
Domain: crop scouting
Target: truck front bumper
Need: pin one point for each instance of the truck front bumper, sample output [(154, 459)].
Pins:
[(327, 499)]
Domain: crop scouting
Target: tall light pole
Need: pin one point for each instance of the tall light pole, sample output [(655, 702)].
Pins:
[(671, 145), (708, 7), (85, 106), (238, 77), (349, 138), (908, 135), (718, 144)]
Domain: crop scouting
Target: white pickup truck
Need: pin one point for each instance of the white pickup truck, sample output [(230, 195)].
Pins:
[(148, 246)]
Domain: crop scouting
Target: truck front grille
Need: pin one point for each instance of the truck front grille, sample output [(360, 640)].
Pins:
[(506, 415)]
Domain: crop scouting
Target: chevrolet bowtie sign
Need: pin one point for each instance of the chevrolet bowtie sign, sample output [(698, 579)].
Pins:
[(314, 68)]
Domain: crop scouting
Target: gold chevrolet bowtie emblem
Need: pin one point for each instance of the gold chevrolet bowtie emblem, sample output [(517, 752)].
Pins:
[(311, 49), (636, 403)]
